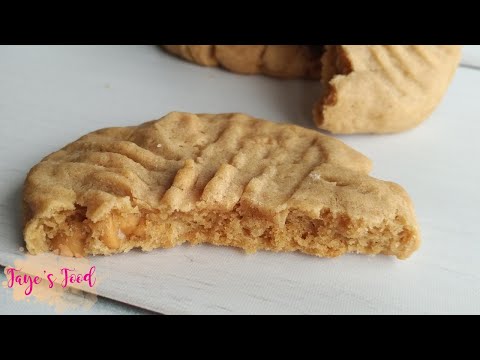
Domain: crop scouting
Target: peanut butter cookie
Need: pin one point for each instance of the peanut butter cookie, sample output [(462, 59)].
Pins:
[(283, 61), (226, 179), (383, 88)]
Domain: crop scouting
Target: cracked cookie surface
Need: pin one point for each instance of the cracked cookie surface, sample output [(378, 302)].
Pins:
[(226, 179)]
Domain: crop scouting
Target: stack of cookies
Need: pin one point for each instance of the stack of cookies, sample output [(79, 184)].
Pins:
[(230, 179)]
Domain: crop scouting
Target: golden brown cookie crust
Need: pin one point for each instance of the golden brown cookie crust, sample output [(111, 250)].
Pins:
[(383, 88), (226, 179), (283, 61)]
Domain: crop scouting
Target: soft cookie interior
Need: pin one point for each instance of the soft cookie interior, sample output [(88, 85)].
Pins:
[(329, 235)]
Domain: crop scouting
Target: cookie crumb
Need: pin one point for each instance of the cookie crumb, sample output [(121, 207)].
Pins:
[(121, 235)]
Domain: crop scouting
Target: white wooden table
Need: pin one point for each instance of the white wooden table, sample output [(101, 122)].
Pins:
[(52, 95)]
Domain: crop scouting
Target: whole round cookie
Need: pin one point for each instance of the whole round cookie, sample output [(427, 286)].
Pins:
[(368, 88)]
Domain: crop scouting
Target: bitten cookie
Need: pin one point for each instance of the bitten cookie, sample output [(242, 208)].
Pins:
[(367, 88), (382, 88), (226, 179)]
